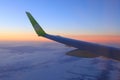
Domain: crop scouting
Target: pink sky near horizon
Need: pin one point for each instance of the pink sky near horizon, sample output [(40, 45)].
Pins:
[(88, 38)]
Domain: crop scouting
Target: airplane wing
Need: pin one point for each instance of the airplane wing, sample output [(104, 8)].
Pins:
[(98, 49)]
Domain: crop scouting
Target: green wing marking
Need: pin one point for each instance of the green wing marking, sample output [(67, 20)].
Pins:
[(36, 26)]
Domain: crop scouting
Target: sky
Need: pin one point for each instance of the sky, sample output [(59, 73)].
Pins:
[(60, 17)]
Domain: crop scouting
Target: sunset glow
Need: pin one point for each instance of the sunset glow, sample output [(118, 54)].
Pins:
[(34, 37)]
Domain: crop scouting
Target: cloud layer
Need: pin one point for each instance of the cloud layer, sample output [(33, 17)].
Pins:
[(48, 61)]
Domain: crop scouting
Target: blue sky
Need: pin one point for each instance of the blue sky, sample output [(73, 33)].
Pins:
[(74, 17)]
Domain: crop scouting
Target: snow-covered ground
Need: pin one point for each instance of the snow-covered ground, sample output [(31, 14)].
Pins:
[(48, 61)]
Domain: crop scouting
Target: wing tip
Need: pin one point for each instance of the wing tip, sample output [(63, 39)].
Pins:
[(36, 26)]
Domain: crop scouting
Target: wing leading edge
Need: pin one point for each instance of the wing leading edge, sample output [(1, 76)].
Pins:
[(98, 49)]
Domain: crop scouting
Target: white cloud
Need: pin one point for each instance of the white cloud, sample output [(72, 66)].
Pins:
[(47, 61)]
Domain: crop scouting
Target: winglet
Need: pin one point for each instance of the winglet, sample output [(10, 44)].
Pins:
[(36, 26)]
